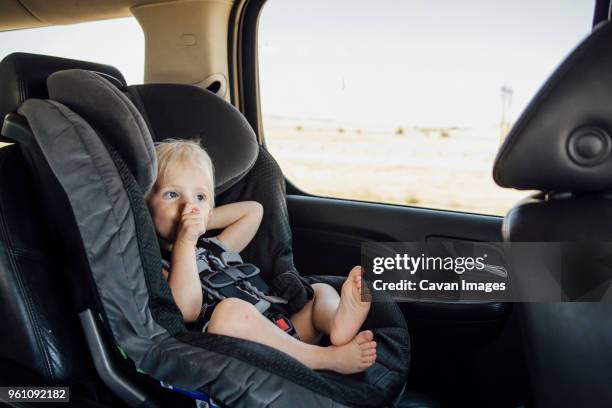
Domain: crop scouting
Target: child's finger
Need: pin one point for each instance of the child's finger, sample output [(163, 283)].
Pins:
[(190, 208), (193, 222), (192, 217)]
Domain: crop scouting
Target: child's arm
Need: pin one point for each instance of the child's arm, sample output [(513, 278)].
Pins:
[(183, 278), (185, 282), (240, 220)]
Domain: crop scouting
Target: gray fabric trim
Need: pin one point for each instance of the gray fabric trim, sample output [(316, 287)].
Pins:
[(84, 92), (105, 220)]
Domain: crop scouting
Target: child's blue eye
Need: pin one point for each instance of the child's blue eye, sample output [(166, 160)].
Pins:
[(171, 194), (201, 197)]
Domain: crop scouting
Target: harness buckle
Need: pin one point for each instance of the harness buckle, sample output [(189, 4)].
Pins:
[(231, 258), (216, 279), (284, 324)]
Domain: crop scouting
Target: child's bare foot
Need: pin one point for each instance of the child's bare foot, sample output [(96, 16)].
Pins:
[(355, 356), (351, 312)]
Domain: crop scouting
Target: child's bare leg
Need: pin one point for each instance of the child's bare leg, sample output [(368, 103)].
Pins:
[(339, 317), (351, 312), (237, 318), (316, 317)]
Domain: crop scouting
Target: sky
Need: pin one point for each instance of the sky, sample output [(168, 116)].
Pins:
[(117, 42), (417, 62), (395, 62)]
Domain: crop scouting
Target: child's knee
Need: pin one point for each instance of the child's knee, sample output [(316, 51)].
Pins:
[(322, 289), (232, 315)]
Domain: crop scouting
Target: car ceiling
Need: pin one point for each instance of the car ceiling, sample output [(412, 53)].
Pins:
[(18, 14)]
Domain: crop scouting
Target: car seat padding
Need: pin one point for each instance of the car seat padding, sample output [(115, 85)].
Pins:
[(124, 258), (186, 112)]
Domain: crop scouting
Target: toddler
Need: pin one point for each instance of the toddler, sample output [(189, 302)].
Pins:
[(182, 207)]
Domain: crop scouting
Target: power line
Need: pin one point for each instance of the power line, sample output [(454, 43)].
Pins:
[(506, 95)]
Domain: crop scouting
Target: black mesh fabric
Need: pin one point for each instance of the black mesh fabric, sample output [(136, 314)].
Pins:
[(271, 248)]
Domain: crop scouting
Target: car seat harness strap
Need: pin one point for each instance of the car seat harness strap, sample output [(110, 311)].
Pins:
[(224, 274)]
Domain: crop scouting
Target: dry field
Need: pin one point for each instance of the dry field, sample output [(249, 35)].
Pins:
[(446, 168)]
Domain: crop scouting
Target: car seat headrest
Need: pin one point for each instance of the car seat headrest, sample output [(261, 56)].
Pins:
[(187, 112), (563, 139), (24, 76), (112, 115)]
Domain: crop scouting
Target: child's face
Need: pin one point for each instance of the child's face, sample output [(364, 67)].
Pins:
[(183, 189)]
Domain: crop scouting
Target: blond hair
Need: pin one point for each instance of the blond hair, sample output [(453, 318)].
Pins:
[(171, 152)]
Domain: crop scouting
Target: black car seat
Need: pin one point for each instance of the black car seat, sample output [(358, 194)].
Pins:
[(41, 340), (562, 146), (134, 310)]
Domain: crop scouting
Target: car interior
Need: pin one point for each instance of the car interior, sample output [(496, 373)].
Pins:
[(83, 303)]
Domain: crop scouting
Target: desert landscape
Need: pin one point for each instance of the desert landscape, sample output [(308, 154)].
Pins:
[(446, 168)]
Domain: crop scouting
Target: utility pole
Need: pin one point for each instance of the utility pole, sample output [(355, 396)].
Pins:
[(506, 95)]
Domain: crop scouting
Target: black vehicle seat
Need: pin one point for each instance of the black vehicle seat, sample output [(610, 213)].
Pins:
[(391, 334), (41, 340), (562, 146)]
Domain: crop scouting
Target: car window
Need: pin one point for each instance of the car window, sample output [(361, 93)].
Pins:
[(118, 42), (406, 102)]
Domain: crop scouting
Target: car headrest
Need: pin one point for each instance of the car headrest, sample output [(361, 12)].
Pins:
[(562, 141), (188, 112), (24, 76), (110, 113)]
